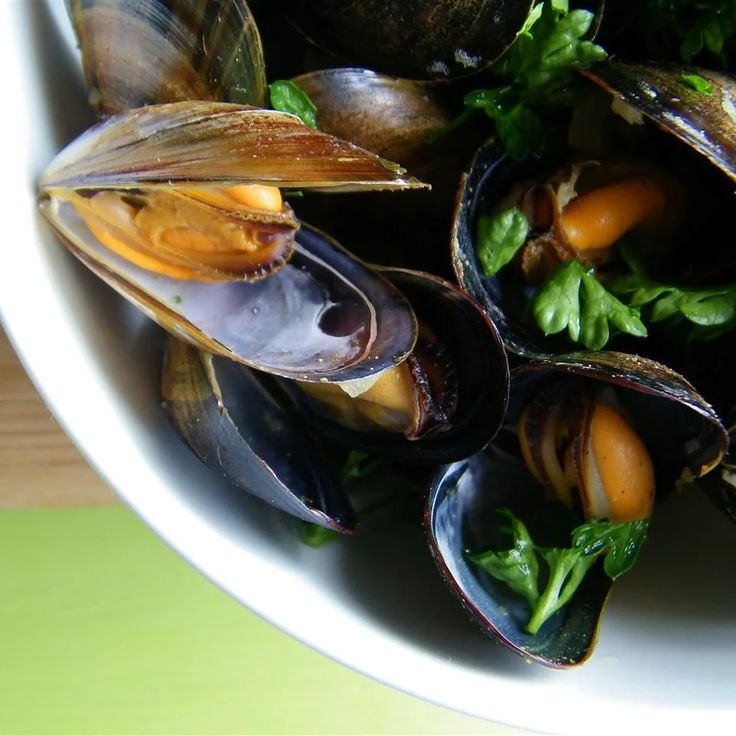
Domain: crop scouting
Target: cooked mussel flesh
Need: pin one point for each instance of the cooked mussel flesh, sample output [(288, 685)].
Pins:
[(578, 443)]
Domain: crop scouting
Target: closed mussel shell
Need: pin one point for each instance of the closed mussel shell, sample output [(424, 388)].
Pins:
[(413, 38), (233, 424), (682, 433), (398, 119), (143, 52)]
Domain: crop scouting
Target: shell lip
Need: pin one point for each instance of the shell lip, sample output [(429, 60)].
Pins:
[(706, 123), (237, 427), (203, 143)]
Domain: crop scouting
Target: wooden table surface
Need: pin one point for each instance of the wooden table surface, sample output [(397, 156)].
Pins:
[(39, 466)]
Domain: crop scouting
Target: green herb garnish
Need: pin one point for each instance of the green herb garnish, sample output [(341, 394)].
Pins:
[(698, 83), (358, 465), (573, 299), (499, 238), (540, 72), (619, 543), (287, 97), (688, 28), (711, 307), (315, 535)]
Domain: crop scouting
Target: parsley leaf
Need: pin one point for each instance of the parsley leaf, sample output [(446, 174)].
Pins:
[(359, 465), (499, 238), (556, 305), (287, 97), (314, 535), (688, 28), (539, 71), (698, 83), (619, 543), (713, 306), (518, 566), (573, 298)]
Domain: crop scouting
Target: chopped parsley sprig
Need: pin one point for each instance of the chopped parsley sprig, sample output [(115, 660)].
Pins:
[(287, 97), (538, 71), (572, 299), (547, 577)]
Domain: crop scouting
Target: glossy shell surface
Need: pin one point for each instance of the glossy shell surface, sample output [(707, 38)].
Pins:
[(413, 38), (682, 434), (153, 51), (234, 426)]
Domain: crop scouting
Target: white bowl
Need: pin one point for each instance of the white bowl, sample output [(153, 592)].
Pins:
[(666, 655)]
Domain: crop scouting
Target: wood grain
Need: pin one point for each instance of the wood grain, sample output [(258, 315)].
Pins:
[(39, 466)]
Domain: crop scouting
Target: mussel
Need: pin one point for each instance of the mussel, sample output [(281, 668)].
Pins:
[(401, 120), (444, 402), (237, 427), (417, 39), (662, 199), (163, 164), (157, 51), (554, 402)]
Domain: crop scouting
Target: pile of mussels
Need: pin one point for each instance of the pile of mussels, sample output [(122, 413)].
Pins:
[(285, 344)]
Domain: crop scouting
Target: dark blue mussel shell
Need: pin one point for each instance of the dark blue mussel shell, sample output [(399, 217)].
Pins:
[(685, 439), (235, 426)]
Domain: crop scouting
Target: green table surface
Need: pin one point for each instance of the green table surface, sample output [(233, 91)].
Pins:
[(105, 630)]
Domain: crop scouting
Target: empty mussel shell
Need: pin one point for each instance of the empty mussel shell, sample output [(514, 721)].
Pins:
[(232, 423), (683, 436), (445, 402), (154, 51)]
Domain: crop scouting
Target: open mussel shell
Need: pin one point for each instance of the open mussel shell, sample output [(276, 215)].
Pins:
[(322, 316), (463, 504), (424, 39), (468, 368), (684, 438), (706, 122), (201, 144), (696, 214), (232, 423), (155, 51)]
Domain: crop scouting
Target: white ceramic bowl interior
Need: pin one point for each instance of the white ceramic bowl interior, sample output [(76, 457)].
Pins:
[(667, 651)]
